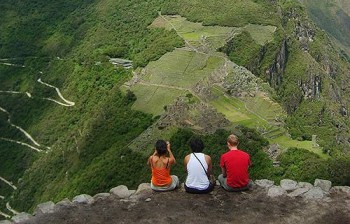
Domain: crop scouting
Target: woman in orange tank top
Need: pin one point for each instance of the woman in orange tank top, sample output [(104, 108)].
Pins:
[(160, 164)]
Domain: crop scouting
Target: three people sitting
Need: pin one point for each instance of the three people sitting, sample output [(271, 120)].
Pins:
[(234, 166)]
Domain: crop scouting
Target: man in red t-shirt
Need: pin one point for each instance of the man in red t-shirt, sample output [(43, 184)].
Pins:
[(234, 166)]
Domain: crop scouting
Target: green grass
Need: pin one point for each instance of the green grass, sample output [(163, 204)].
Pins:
[(171, 76), (215, 36), (226, 13), (264, 107), (196, 33), (152, 99), (261, 34), (286, 142), (235, 110)]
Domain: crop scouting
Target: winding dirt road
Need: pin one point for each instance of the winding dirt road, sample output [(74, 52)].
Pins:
[(21, 130), (11, 209), (5, 215), (67, 102), (8, 183)]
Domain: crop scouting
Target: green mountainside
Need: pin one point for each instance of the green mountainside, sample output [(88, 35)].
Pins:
[(334, 17), (73, 122)]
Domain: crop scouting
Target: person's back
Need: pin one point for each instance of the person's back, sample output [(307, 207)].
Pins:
[(160, 171), (160, 165), (237, 163), (196, 175), (234, 166), (198, 167)]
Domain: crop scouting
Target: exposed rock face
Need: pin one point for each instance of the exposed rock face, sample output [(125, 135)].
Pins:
[(314, 193), (45, 208), (264, 183), (22, 217), (343, 189), (298, 192), (64, 203), (276, 191), (83, 199), (325, 185), (305, 185), (312, 88), (274, 75), (121, 191), (177, 207), (288, 185)]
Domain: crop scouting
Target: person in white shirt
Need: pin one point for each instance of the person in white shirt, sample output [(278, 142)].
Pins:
[(199, 168)]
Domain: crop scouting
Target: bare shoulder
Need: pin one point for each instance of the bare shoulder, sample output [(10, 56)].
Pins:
[(207, 158), (187, 158)]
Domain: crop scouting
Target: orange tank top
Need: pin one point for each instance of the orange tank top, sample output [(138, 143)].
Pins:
[(161, 176)]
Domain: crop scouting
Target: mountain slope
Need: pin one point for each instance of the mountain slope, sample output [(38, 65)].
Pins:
[(334, 17), (59, 87)]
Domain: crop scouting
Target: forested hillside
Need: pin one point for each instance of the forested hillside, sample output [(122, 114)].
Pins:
[(334, 17), (69, 124)]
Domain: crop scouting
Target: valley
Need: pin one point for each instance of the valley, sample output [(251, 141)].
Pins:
[(72, 121), (198, 70)]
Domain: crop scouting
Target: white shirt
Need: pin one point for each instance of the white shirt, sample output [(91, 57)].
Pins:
[(196, 176)]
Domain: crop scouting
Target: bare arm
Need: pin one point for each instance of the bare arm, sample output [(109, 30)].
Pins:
[(210, 165), (172, 159), (149, 161), (223, 171), (187, 158)]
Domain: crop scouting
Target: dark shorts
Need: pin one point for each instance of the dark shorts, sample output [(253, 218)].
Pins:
[(196, 191)]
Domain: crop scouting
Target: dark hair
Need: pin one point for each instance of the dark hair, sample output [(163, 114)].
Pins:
[(196, 145), (161, 147)]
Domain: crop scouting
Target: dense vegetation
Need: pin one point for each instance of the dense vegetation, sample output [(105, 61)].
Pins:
[(68, 44)]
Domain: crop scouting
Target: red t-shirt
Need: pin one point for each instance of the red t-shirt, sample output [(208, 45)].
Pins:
[(236, 163)]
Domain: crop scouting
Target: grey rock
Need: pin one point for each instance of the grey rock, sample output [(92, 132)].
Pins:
[(132, 192), (143, 191), (5, 222), (121, 191), (83, 199), (45, 208), (305, 185), (325, 185), (340, 189), (144, 187), (101, 196), (21, 217), (314, 193), (298, 192), (288, 185), (64, 203), (264, 183), (148, 200), (276, 191)]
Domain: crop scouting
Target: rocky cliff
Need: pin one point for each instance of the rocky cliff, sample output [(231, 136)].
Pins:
[(288, 202)]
